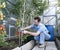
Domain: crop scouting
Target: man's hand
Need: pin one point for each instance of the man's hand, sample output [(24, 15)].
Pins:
[(25, 32), (22, 29), (31, 33)]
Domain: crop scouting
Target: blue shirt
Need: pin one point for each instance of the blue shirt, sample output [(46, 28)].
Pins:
[(39, 28)]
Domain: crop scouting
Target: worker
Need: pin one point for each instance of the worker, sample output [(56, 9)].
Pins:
[(40, 31)]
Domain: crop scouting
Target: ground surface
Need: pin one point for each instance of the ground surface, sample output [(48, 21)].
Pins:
[(49, 46)]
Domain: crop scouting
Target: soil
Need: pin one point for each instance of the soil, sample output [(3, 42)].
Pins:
[(5, 48), (15, 43)]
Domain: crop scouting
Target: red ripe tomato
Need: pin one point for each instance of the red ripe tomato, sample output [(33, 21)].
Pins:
[(17, 33)]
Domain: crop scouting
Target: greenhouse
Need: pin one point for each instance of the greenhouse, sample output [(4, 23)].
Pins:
[(29, 24)]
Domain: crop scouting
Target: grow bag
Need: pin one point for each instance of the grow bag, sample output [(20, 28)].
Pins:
[(51, 30)]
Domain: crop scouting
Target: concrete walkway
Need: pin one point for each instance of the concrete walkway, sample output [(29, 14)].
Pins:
[(49, 46)]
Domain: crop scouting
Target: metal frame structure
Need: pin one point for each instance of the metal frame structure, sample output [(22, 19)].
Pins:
[(20, 36), (54, 16)]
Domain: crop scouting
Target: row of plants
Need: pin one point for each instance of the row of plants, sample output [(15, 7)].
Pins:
[(26, 9), (23, 11), (3, 43)]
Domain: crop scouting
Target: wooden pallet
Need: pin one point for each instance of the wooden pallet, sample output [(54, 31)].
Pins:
[(49, 46)]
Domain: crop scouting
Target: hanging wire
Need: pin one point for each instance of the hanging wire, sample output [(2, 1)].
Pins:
[(21, 31), (20, 36)]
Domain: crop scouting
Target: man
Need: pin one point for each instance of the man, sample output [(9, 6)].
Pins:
[(41, 33)]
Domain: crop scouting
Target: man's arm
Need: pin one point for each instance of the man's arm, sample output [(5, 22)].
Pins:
[(32, 33)]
